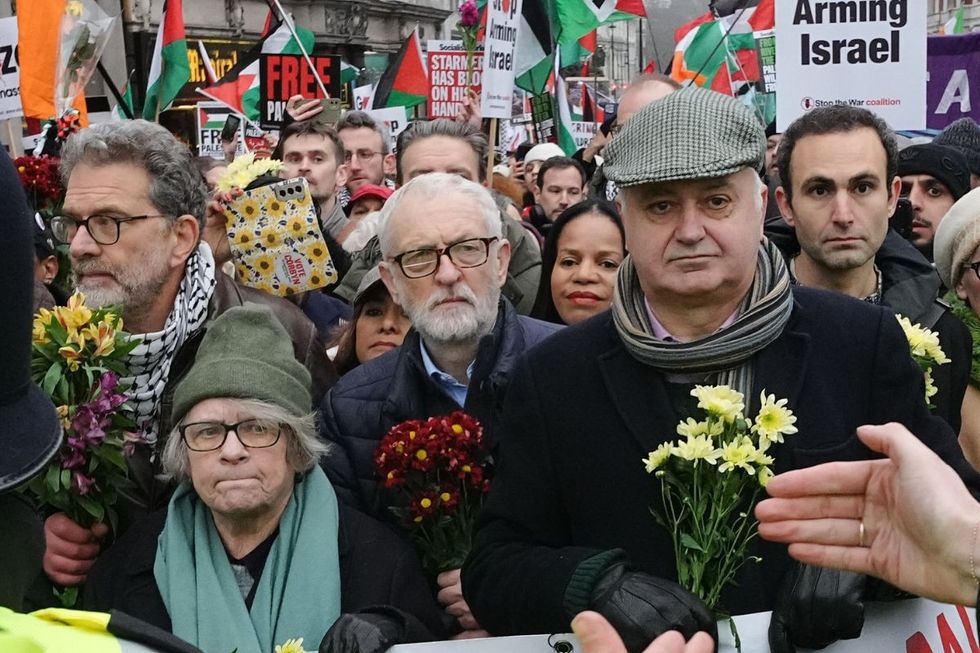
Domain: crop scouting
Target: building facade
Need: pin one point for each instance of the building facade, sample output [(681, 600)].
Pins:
[(940, 11)]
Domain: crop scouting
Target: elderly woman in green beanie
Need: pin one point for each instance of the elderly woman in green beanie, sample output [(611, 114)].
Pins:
[(253, 549), (957, 255)]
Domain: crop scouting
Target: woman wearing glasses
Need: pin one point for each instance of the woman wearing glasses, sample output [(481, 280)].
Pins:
[(254, 549), (957, 253)]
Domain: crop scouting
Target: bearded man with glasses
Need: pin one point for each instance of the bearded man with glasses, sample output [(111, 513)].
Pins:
[(444, 261), (132, 218)]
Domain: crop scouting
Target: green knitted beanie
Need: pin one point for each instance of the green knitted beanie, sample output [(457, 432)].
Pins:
[(245, 354)]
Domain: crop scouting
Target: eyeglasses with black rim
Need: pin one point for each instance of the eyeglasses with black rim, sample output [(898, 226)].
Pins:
[(469, 253)]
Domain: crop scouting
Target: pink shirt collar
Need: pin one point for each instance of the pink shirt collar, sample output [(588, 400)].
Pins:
[(661, 332)]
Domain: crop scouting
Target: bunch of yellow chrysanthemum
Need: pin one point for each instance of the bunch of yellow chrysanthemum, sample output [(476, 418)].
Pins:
[(710, 480), (926, 351), (245, 169)]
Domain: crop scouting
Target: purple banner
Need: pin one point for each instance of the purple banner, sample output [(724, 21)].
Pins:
[(953, 90)]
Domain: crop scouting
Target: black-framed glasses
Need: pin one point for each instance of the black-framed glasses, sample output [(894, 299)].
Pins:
[(210, 436), (469, 253), (362, 155), (975, 266), (103, 229)]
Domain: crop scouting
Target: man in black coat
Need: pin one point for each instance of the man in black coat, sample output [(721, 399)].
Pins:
[(840, 186), (444, 261), (567, 525)]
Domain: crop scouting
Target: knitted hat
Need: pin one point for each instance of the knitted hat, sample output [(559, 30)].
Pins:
[(964, 135), (543, 152), (939, 161), (245, 354), (693, 133), (957, 237)]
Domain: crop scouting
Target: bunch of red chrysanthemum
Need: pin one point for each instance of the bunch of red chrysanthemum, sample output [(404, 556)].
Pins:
[(39, 176), (435, 469)]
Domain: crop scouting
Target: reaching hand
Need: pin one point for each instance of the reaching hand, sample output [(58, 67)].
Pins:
[(471, 109), (302, 109), (919, 520), (598, 636), (69, 549)]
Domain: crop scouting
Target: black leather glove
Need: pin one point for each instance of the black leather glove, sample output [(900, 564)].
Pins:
[(641, 607), (372, 630), (816, 607)]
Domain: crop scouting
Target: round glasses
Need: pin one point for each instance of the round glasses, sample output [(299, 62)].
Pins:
[(975, 266), (469, 253), (210, 436), (102, 228)]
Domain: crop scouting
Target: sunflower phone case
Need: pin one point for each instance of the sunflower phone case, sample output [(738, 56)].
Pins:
[(276, 240)]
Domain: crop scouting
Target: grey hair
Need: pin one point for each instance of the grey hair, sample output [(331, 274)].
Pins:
[(303, 447), (358, 119), (436, 185), (464, 131), (176, 186)]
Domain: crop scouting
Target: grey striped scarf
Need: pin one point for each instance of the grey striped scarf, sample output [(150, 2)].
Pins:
[(726, 353)]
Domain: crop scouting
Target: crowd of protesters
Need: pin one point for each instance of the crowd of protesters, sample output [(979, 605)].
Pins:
[(570, 304)]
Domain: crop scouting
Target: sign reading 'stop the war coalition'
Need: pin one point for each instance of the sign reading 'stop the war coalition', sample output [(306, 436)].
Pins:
[(864, 53)]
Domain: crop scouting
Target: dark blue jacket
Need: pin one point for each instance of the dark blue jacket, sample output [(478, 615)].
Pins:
[(394, 387)]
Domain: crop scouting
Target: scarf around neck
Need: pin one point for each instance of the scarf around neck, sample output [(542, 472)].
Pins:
[(298, 592), (149, 363), (724, 354)]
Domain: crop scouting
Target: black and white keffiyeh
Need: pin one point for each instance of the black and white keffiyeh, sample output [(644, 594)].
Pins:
[(149, 364)]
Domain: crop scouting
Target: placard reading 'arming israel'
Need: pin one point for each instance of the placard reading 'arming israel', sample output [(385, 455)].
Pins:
[(503, 22), (863, 53)]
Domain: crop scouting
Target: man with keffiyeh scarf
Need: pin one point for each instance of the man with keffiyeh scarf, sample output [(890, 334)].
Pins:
[(132, 218), (703, 298)]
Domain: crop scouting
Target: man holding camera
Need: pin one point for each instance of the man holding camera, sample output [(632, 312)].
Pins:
[(840, 187)]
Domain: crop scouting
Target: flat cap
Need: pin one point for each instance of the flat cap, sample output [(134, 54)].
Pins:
[(692, 133)]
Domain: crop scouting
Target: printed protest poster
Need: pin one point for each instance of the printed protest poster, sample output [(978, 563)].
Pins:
[(543, 117), (863, 54), (211, 118), (503, 21), (582, 132), (954, 78), (395, 120), (448, 77), (362, 97), (10, 106), (285, 75)]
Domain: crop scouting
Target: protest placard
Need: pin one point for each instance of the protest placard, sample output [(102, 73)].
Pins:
[(954, 78), (211, 118), (582, 132), (395, 120), (362, 97), (448, 77), (285, 75), (543, 117), (503, 21), (10, 106), (863, 54)]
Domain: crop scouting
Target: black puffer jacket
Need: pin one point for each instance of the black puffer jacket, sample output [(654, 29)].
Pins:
[(392, 388), (910, 286)]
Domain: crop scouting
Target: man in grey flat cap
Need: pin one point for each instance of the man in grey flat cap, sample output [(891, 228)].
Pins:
[(703, 298)]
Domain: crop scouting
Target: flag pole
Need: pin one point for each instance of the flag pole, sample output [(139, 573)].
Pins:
[(492, 150), (115, 91), (286, 18)]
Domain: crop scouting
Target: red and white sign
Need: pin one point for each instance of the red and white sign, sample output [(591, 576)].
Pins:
[(448, 77)]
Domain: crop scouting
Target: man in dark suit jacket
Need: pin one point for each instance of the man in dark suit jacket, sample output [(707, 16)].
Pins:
[(567, 526)]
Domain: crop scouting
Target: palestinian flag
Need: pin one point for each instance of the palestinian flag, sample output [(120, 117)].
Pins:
[(348, 73), (565, 139), (211, 118), (591, 111), (169, 68), (405, 83), (705, 56), (576, 18), (580, 51), (535, 51), (118, 113), (239, 88)]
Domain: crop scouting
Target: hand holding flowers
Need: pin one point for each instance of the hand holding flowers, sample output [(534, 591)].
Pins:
[(710, 481)]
